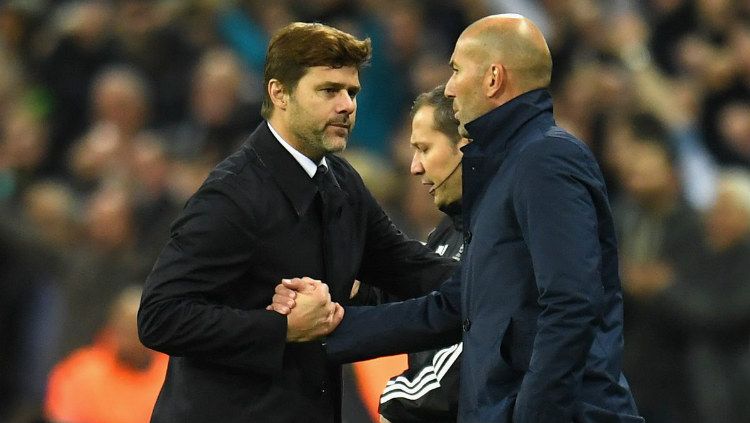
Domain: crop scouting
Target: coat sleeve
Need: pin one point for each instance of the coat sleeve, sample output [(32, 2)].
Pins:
[(558, 219), (413, 325), (181, 313)]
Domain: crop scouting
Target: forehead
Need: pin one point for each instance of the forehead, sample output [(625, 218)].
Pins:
[(468, 50), (346, 75), (424, 118), (423, 128)]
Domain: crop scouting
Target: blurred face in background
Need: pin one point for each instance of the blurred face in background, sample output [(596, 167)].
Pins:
[(124, 330), (120, 97), (649, 176), (437, 158), (728, 221), (216, 88), (109, 220)]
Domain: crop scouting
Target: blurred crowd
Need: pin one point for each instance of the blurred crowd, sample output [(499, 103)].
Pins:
[(113, 111)]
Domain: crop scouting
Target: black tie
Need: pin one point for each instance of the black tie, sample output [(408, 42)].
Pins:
[(321, 177)]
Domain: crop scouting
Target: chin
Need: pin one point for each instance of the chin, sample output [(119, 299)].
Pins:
[(335, 146)]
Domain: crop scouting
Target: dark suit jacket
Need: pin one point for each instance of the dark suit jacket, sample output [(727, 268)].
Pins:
[(254, 221), (539, 296)]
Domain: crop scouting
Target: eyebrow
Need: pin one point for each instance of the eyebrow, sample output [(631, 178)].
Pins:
[(339, 86)]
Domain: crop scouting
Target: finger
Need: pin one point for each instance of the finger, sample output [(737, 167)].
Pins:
[(283, 290), (330, 309), (311, 280), (284, 301), (306, 284), (295, 284), (338, 316), (355, 289), (280, 309)]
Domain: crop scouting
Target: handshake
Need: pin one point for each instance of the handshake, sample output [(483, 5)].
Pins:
[(308, 308)]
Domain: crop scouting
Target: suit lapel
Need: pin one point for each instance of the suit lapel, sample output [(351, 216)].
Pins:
[(294, 182)]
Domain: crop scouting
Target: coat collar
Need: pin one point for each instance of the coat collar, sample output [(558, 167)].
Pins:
[(493, 135), (294, 182), (495, 129)]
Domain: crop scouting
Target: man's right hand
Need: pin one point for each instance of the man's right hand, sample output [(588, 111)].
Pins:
[(313, 314)]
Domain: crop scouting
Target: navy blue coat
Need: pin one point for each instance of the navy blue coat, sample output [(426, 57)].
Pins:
[(538, 300)]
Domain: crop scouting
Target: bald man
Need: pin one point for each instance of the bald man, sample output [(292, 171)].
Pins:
[(537, 301)]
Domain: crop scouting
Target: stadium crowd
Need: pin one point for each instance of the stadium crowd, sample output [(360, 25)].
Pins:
[(112, 112)]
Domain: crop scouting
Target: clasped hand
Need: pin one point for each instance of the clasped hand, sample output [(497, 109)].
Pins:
[(307, 305)]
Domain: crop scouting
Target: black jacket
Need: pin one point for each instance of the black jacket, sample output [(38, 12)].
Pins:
[(428, 390), (254, 221)]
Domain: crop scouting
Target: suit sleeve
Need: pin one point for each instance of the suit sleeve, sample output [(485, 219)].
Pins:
[(182, 310), (413, 325), (401, 267), (558, 219)]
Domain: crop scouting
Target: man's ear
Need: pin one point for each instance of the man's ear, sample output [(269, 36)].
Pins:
[(278, 94), (496, 79)]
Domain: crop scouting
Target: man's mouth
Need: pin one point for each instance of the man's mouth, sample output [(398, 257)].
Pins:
[(341, 125)]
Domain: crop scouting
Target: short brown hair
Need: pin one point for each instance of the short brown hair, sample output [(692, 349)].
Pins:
[(443, 116), (299, 45)]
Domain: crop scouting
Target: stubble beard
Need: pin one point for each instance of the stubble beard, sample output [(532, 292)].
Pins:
[(314, 140), (317, 142)]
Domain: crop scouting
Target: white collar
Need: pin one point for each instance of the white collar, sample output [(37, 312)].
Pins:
[(308, 165)]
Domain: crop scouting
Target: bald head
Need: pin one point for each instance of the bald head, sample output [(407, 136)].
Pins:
[(514, 42), (496, 59)]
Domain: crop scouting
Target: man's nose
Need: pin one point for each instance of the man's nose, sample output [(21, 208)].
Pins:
[(416, 165), (346, 104), (448, 91)]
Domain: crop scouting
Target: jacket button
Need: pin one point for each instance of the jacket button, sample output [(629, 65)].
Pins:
[(323, 388), (466, 325), (467, 237)]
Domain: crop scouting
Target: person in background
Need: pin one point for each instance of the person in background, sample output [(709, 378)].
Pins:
[(113, 380), (709, 300), (659, 234)]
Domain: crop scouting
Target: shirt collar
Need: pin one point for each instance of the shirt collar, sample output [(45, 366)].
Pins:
[(308, 165)]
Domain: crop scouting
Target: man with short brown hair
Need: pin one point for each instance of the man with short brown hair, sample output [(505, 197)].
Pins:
[(282, 208)]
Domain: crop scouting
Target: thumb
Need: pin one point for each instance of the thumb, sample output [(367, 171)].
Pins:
[(295, 284)]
